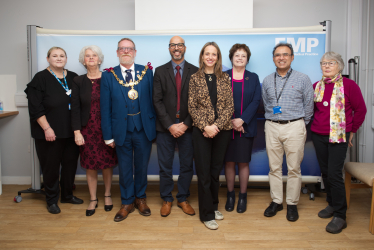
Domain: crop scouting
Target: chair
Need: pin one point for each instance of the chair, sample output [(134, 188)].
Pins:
[(365, 173)]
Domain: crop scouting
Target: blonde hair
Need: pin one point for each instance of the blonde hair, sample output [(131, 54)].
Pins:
[(218, 67), (53, 48)]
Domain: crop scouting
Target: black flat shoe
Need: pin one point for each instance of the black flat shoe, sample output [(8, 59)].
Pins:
[(292, 214), (336, 225), (108, 207), (92, 211), (272, 209), (53, 209), (328, 212), (230, 203), (72, 200), (242, 203)]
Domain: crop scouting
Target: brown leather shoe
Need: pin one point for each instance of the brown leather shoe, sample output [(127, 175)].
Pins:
[(141, 205), (166, 208), (124, 212), (186, 207)]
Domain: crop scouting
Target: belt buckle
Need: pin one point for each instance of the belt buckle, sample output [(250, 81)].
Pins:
[(177, 116)]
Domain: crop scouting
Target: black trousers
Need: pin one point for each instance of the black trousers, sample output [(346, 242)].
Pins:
[(165, 153), (209, 154), (331, 158), (51, 155)]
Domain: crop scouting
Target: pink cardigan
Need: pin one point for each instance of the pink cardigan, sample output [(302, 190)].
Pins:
[(355, 108)]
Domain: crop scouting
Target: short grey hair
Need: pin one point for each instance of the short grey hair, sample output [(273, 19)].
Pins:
[(95, 49), (334, 56)]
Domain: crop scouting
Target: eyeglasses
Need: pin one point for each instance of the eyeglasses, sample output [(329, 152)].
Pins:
[(123, 49), (331, 64), (179, 45), (282, 54)]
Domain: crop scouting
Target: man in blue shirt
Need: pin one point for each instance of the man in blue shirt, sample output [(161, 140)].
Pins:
[(288, 103), (173, 125)]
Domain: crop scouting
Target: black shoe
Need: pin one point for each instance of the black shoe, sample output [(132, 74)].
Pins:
[(53, 209), (292, 214), (73, 200), (328, 212), (108, 207), (92, 211), (336, 225), (242, 203), (272, 209), (230, 203)]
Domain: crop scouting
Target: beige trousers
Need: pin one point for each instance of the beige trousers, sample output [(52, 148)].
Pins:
[(290, 139)]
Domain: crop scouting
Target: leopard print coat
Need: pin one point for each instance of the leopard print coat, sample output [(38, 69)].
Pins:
[(200, 105)]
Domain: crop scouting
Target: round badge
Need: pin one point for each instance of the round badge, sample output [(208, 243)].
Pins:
[(325, 103), (133, 94)]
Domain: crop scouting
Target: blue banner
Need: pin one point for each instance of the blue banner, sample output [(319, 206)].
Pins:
[(308, 49)]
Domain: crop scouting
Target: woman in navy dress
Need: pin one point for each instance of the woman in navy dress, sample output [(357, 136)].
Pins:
[(86, 122), (247, 95)]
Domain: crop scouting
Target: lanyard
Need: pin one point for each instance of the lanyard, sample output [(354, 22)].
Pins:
[(241, 108), (65, 86), (284, 85)]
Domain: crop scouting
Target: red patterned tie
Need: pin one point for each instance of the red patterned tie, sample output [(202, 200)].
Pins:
[(178, 81)]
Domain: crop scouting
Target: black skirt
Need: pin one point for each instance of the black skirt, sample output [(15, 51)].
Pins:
[(239, 149)]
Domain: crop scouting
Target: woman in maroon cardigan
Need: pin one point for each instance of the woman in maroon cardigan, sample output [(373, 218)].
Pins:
[(339, 111)]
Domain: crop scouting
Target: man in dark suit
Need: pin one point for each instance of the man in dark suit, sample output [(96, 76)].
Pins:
[(128, 124), (173, 125)]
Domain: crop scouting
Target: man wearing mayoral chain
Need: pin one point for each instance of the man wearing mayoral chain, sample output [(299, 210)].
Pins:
[(128, 124)]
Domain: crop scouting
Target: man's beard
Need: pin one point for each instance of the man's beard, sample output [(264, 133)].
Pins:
[(181, 55), (126, 60)]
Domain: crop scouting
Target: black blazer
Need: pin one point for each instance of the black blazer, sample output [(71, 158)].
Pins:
[(165, 96), (80, 101)]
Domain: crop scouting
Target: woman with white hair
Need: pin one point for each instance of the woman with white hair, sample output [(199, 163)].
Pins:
[(339, 111), (86, 122)]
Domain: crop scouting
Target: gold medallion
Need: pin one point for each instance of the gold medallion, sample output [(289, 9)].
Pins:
[(133, 94)]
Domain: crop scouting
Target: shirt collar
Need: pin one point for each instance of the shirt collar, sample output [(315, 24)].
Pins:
[(288, 72), (123, 69), (180, 65)]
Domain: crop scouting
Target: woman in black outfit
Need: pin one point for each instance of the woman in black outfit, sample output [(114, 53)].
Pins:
[(210, 104), (49, 102)]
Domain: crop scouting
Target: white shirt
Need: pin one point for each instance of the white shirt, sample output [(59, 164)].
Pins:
[(123, 71)]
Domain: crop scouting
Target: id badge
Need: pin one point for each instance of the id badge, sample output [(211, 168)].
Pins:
[(277, 110)]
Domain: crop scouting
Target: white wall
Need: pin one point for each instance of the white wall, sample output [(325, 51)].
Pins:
[(192, 15), (67, 14), (298, 13), (120, 15)]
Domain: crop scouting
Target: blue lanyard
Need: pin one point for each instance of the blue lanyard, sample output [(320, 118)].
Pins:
[(65, 86)]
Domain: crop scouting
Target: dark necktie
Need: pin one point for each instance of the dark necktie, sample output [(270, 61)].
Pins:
[(178, 81), (128, 75)]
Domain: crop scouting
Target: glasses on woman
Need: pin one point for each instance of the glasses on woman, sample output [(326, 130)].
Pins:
[(331, 64)]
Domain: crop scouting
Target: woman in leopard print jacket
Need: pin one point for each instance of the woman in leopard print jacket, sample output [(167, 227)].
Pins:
[(211, 105)]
